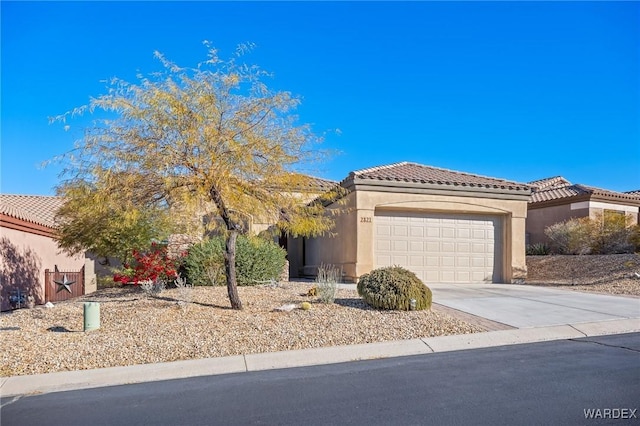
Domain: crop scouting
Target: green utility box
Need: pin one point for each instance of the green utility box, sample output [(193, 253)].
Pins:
[(91, 316)]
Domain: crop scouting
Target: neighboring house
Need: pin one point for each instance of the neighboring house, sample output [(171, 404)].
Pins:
[(315, 186), (445, 226), (27, 248), (556, 200)]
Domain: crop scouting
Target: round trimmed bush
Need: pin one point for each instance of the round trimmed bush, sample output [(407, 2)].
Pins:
[(257, 260), (393, 287)]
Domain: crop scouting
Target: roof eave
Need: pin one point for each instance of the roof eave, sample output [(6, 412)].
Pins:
[(356, 183), (583, 197)]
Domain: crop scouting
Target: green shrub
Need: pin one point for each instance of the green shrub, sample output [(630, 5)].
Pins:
[(539, 249), (204, 264), (257, 260), (393, 288)]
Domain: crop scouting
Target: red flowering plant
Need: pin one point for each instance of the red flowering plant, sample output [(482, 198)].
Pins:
[(154, 265)]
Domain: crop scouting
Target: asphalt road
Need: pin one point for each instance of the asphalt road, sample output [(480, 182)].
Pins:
[(542, 383)]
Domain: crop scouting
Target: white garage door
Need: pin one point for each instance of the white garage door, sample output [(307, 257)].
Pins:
[(448, 248)]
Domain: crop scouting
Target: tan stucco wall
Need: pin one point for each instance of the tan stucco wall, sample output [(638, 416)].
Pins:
[(340, 248), (25, 257), (353, 246), (538, 219)]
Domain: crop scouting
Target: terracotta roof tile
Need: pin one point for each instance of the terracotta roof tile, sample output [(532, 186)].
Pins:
[(548, 183), (319, 183), (553, 189), (38, 209), (418, 173), (556, 193), (608, 193)]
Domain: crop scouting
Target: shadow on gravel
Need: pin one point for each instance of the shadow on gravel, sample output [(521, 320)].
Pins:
[(61, 329), (112, 294), (208, 305), (354, 303)]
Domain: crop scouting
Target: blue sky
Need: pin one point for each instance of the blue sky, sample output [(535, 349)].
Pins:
[(515, 90)]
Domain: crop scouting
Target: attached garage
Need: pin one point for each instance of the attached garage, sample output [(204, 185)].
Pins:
[(445, 226), (440, 247)]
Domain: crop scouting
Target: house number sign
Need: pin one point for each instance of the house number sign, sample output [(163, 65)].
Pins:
[(365, 219)]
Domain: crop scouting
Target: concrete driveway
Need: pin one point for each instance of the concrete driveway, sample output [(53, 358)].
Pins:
[(525, 306)]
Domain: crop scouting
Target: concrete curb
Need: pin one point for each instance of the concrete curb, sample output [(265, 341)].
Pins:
[(114, 376)]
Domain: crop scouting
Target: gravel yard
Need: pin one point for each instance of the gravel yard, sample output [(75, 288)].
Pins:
[(136, 329), (612, 274)]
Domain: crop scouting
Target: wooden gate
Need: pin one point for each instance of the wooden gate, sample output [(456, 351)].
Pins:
[(56, 284)]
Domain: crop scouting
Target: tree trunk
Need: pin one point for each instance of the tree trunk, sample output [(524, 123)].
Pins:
[(230, 249), (230, 270)]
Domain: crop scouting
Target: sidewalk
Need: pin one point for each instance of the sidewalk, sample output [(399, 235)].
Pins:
[(540, 314)]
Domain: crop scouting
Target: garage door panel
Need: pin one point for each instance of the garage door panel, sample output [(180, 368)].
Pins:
[(447, 247), (478, 262), (463, 233), (383, 245), (416, 246), (433, 247), (400, 246), (479, 234), (400, 231), (463, 276), (448, 261), (433, 231), (463, 262), (416, 261), (399, 260), (448, 232), (463, 247), (417, 231), (479, 277), (383, 230), (447, 276), (479, 248), (440, 247)]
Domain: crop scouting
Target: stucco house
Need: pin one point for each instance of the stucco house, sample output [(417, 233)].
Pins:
[(27, 248), (444, 225), (556, 200)]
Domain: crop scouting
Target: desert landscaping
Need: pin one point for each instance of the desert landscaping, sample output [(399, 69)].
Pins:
[(138, 329), (611, 274)]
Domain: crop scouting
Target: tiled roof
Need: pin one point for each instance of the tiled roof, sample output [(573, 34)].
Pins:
[(418, 173), (548, 183), (557, 188), (305, 183), (38, 209), (319, 183), (557, 193), (635, 192)]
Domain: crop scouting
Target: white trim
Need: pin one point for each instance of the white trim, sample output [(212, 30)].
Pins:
[(607, 206)]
